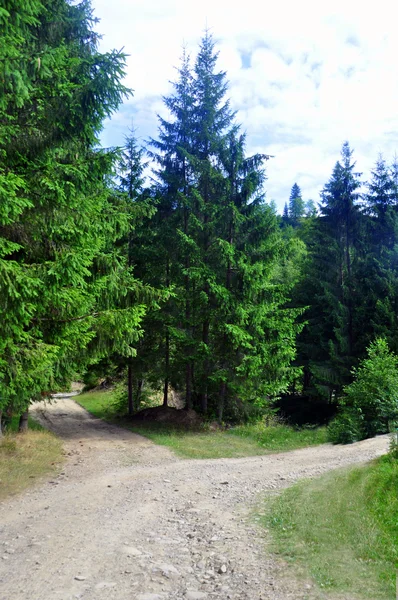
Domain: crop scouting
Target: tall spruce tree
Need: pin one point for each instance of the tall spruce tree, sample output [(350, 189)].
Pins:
[(296, 205), (329, 343), (63, 285), (231, 339), (394, 181), (213, 119), (130, 172), (173, 223), (254, 334), (378, 281), (285, 215)]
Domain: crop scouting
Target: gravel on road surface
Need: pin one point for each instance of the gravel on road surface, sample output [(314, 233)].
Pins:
[(126, 519)]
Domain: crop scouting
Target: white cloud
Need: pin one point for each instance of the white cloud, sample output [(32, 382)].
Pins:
[(304, 76)]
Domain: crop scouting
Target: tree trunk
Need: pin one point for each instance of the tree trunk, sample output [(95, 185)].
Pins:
[(167, 369), (349, 303), (23, 422), (221, 401), (206, 323), (166, 392), (140, 383), (130, 390), (130, 366), (188, 366), (203, 400), (1, 424), (204, 394), (167, 347), (188, 386), (306, 378)]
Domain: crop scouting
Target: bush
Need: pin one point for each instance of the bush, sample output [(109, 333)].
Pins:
[(238, 412), (371, 400), (393, 425), (345, 428)]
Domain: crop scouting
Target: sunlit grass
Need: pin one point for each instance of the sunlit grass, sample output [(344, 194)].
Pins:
[(281, 438), (342, 529), (244, 440), (26, 457)]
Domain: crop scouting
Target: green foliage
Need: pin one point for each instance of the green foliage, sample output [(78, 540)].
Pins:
[(67, 295), (296, 206), (345, 428), (310, 208), (373, 395), (225, 336), (370, 402), (331, 339), (394, 440), (190, 284)]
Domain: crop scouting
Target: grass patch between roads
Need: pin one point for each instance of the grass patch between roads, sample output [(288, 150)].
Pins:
[(99, 404), (342, 529), (26, 457), (244, 440)]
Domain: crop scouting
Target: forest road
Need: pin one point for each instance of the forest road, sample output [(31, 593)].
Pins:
[(127, 520)]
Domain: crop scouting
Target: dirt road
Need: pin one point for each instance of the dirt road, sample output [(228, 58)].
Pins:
[(127, 520)]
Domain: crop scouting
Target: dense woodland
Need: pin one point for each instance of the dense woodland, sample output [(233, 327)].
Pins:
[(188, 280)]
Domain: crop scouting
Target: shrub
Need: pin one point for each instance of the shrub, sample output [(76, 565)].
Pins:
[(371, 400), (345, 428), (393, 426)]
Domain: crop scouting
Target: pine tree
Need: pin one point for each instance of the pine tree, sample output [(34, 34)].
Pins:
[(310, 208), (285, 215), (253, 333), (380, 189), (295, 192), (130, 171), (63, 286), (296, 205), (394, 181), (231, 338), (378, 281), (173, 223), (330, 341), (130, 167), (213, 120)]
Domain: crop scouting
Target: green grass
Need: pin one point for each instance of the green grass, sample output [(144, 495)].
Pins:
[(27, 457), (281, 438), (342, 529), (245, 440), (99, 404), (33, 425), (201, 445)]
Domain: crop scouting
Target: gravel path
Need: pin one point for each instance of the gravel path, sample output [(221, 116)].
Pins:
[(127, 520)]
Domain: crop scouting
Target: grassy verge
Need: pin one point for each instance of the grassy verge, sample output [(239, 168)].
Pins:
[(99, 404), (33, 425), (342, 529), (245, 440), (281, 438), (202, 445), (26, 457)]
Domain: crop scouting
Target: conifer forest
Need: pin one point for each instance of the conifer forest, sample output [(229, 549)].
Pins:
[(165, 266)]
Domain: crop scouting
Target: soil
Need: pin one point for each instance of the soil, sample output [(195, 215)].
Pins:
[(189, 419), (127, 520)]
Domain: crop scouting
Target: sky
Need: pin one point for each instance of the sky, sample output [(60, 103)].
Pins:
[(304, 76)]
